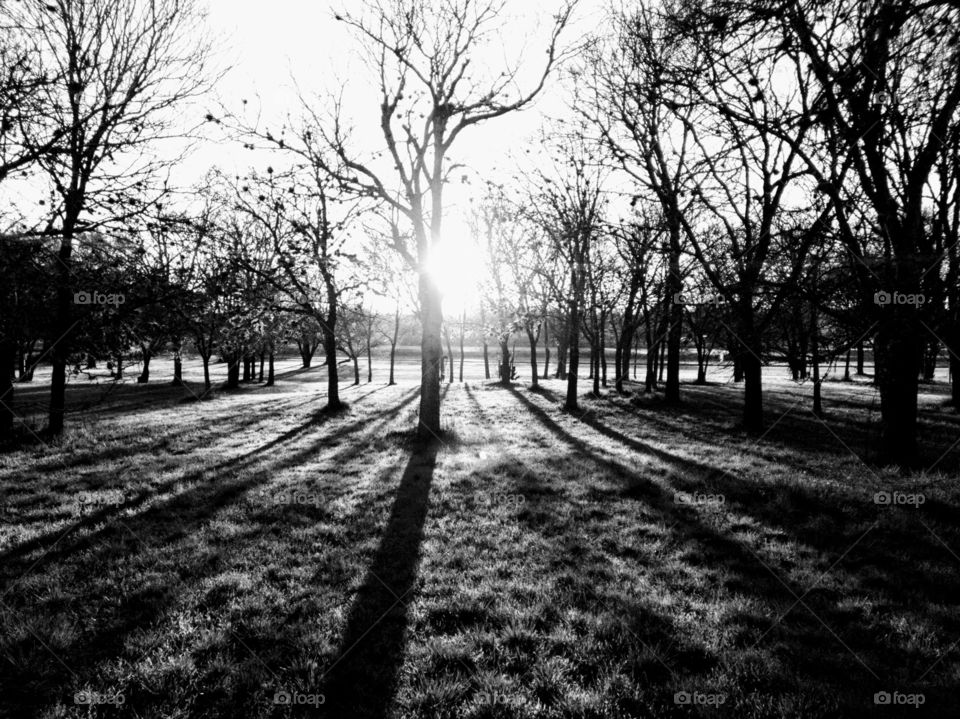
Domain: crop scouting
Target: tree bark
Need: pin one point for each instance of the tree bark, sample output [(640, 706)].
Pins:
[(431, 353), (573, 352), (177, 367), (752, 392), (369, 361), (144, 377), (393, 342), (233, 371), (63, 325), (897, 368), (8, 358), (532, 337), (505, 360), (815, 354), (463, 322), (674, 333), (329, 330), (446, 336), (546, 348), (602, 347)]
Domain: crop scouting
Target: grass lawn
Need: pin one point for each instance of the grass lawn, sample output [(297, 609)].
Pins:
[(249, 556)]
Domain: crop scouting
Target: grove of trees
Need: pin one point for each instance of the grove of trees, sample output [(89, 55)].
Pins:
[(763, 182)]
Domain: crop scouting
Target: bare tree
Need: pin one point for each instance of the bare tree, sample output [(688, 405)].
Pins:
[(884, 96), (568, 206), (118, 70), (432, 87)]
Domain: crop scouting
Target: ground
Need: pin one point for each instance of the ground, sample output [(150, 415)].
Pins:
[(249, 555)]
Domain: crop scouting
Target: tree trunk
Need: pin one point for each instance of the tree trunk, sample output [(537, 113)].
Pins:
[(932, 350), (752, 392), (602, 347), (702, 355), (8, 359), (393, 342), (270, 373), (955, 377), (431, 353), (233, 371), (356, 370), (860, 358), (626, 342), (446, 336), (263, 356), (63, 325), (650, 380), (463, 322), (369, 362), (617, 361), (505, 360), (595, 364), (674, 331), (661, 361), (145, 372), (546, 348), (846, 368), (329, 330), (486, 351), (177, 367), (307, 348), (563, 351), (897, 368), (573, 340), (206, 372), (532, 337), (737, 367), (815, 354)]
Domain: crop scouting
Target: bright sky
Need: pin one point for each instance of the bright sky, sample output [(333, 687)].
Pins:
[(275, 47)]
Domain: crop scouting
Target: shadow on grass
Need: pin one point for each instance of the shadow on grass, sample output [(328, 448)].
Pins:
[(362, 679), (235, 464), (177, 519), (878, 563)]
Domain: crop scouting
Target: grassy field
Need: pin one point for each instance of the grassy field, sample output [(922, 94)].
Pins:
[(250, 556)]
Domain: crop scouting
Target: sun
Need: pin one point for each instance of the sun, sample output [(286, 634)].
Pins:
[(458, 269)]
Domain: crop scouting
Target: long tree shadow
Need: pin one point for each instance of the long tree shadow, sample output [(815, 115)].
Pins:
[(170, 521), (748, 573), (56, 539), (362, 680)]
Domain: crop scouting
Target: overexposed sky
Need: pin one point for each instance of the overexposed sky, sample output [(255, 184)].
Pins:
[(279, 48), (275, 47)]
